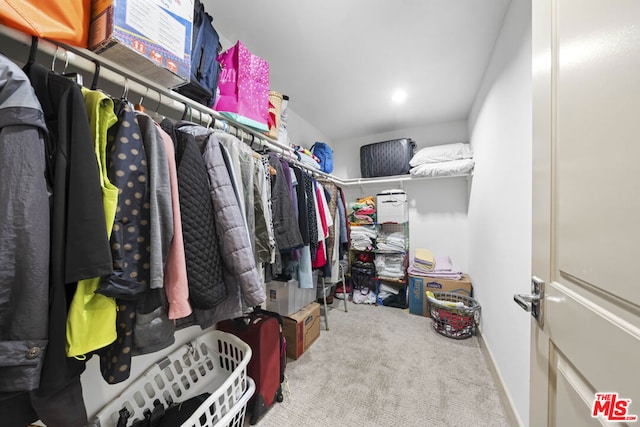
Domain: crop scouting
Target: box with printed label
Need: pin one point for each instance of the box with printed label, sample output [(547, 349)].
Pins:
[(301, 329), (149, 37), (419, 285)]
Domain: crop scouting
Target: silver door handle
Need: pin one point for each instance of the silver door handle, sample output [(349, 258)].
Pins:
[(526, 301), (532, 302)]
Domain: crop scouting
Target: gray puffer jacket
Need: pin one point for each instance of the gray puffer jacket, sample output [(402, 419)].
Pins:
[(24, 227), (241, 275)]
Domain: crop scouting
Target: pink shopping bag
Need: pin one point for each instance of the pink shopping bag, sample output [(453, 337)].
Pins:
[(244, 87)]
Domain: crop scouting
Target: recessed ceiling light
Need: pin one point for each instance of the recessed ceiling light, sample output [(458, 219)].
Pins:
[(399, 96)]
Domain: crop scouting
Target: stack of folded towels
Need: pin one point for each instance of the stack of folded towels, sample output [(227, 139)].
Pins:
[(393, 242), (363, 211), (389, 266), (363, 237), (425, 264)]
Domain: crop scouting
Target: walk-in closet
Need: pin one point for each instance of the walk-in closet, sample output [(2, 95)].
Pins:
[(223, 213)]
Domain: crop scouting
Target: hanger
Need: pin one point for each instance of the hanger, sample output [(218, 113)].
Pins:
[(187, 107), (73, 76), (32, 51), (76, 77), (96, 76), (55, 56), (155, 115), (125, 93), (138, 106)]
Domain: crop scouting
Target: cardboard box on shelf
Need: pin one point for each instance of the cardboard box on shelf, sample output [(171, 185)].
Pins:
[(151, 38), (301, 329), (419, 285)]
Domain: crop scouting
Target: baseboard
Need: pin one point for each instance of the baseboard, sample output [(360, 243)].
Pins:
[(509, 407)]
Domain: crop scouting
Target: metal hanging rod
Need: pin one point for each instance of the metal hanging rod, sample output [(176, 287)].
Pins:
[(110, 71), (102, 68)]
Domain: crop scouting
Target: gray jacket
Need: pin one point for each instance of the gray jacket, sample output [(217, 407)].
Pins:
[(24, 227), (241, 275), (161, 221)]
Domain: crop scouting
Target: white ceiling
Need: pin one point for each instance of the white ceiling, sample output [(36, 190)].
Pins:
[(341, 60)]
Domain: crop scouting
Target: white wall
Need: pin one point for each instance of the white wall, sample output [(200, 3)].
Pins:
[(486, 233), (347, 152), (303, 133), (437, 207), (500, 202)]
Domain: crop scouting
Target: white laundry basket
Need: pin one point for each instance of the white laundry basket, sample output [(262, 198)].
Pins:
[(205, 415), (215, 362)]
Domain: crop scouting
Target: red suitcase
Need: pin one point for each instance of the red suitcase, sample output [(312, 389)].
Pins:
[(262, 330)]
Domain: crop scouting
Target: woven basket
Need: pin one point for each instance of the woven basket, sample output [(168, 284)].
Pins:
[(275, 111), (454, 322)]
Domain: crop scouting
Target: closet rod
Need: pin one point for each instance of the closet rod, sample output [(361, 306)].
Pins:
[(116, 74), (110, 71)]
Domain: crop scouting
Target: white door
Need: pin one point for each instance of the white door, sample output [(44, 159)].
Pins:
[(586, 212)]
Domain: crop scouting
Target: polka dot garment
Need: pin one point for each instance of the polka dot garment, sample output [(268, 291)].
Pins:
[(130, 247)]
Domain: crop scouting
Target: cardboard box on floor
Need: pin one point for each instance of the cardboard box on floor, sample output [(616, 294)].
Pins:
[(419, 285), (301, 329), (151, 38)]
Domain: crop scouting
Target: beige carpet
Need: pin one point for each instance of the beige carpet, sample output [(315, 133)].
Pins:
[(381, 366)]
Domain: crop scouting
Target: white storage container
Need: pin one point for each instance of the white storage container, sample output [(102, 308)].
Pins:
[(391, 206), (304, 296), (281, 297)]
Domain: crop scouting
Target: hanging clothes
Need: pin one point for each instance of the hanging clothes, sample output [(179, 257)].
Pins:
[(326, 222), (334, 274), (241, 276), (161, 210), (303, 221), (344, 229), (290, 258), (24, 227), (175, 275), (312, 216), (79, 242), (130, 248), (287, 233), (153, 330), (204, 264), (263, 231), (234, 177), (331, 198), (91, 321), (244, 171), (305, 274), (237, 157), (267, 207)]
